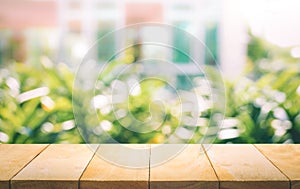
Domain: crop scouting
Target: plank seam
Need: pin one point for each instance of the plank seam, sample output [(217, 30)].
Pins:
[(87, 166), (10, 184), (149, 186), (290, 182), (211, 165)]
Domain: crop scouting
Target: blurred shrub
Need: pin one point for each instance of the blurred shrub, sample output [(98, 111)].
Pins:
[(132, 108), (264, 107), (263, 111), (36, 104)]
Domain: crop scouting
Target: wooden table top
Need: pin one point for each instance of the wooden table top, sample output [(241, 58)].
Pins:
[(225, 166)]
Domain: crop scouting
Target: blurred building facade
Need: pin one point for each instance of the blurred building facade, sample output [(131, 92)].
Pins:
[(64, 30)]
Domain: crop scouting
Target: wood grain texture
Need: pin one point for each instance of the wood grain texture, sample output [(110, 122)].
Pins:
[(105, 175), (189, 169), (243, 166), (59, 166), (75, 166), (286, 157), (14, 157)]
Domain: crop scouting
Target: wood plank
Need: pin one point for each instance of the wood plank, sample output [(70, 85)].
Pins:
[(286, 157), (59, 166), (243, 166), (106, 175), (14, 157), (189, 169)]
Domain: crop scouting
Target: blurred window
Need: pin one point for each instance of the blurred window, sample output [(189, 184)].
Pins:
[(181, 42), (109, 47), (211, 41)]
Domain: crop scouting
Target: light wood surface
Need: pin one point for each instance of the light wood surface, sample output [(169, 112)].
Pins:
[(243, 166), (286, 157), (189, 169), (59, 166), (14, 157), (156, 166), (106, 175)]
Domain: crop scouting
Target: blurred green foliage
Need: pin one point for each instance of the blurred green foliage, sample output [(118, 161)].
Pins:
[(266, 110), (129, 111), (44, 119), (263, 107), (266, 103)]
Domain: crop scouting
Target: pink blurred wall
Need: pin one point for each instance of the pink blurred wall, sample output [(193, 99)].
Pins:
[(143, 12), (16, 14)]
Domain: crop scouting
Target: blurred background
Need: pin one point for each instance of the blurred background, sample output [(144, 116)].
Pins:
[(256, 45)]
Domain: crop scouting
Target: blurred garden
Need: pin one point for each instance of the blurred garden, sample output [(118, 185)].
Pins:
[(37, 94)]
